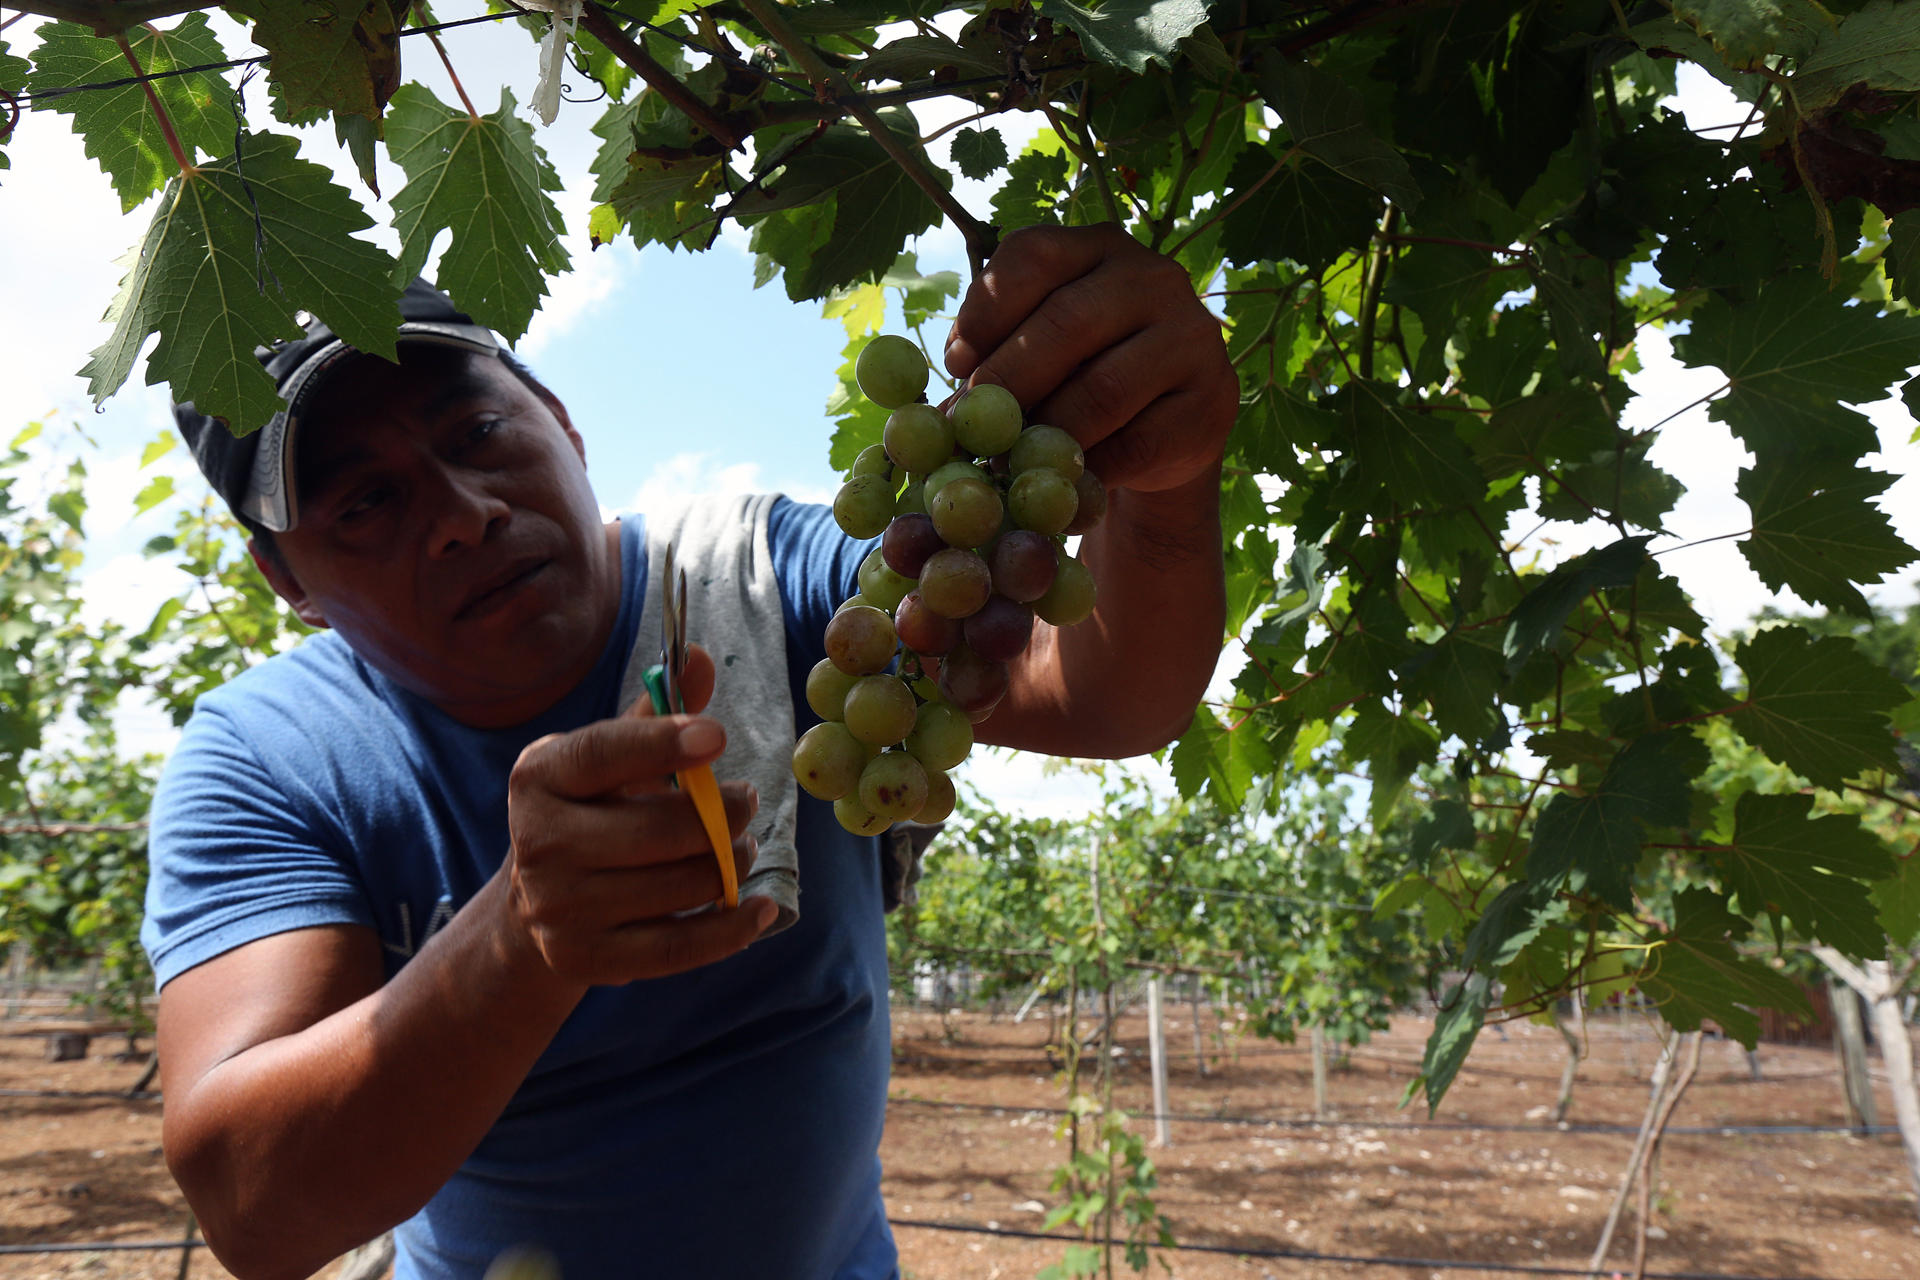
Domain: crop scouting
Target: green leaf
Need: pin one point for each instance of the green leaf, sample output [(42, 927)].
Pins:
[(1462, 1013), (152, 494), (1816, 532), (1416, 457), (921, 296), (13, 79), (1211, 757), (118, 125), (1897, 900), (978, 153), (1447, 825), (1130, 33), (913, 57), (1393, 746), (1035, 182), (71, 507), (1328, 120), (1903, 258), (1878, 47), (875, 207), (1306, 213), (1786, 862), (1541, 614), (1592, 842), (227, 262), (1500, 367), (1792, 356), (1459, 674), (335, 57), (484, 179), (1747, 31), (1817, 706), (1695, 975), (157, 448)]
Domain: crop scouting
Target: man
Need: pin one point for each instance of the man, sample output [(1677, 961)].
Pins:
[(577, 1058)]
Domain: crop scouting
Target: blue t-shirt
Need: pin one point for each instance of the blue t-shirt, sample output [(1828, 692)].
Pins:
[(720, 1123)]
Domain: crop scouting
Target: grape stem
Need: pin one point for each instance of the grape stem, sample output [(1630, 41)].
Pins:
[(658, 78), (981, 238), (159, 112), (447, 62)]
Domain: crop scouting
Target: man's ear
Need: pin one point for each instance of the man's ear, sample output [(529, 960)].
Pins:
[(285, 585)]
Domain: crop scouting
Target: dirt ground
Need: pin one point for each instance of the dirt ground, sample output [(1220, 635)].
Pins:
[(1825, 1205)]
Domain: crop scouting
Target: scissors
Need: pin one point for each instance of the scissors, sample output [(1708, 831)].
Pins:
[(663, 687)]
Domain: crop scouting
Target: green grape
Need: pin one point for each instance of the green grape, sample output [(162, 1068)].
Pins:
[(857, 818), (872, 461), (1047, 447), (1071, 597), (926, 687), (827, 687), (986, 420), (524, 1262), (913, 499), (1093, 503), (860, 640), (893, 786), (942, 736), (918, 437), (863, 506), (940, 799), (827, 761), (957, 469), (879, 710), (853, 601), (881, 586), (890, 371), (1042, 500), (966, 512)]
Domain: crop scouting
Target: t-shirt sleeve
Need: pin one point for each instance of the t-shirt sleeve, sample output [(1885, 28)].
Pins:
[(231, 858), (818, 566)]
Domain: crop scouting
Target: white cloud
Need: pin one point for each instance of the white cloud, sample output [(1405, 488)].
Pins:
[(685, 476)]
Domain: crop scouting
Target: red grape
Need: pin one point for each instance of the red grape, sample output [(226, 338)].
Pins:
[(907, 543), (921, 629), (1000, 630), (1023, 564), (971, 682)]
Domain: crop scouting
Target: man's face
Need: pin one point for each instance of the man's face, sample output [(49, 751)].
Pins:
[(448, 533)]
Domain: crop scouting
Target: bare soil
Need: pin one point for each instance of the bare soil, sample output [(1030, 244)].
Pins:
[(1828, 1205)]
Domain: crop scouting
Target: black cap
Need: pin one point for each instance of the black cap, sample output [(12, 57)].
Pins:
[(254, 473)]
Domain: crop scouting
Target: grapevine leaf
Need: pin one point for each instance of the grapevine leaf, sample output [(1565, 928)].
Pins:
[(979, 153), (157, 448), (1542, 612), (1458, 675), (118, 125), (1447, 825), (1903, 257), (913, 57), (485, 179), (1786, 862), (1501, 366), (13, 78), (1328, 121), (1462, 1013), (1696, 975), (922, 296), (1393, 747), (152, 494), (860, 310), (1817, 706), (1416, 457), (1878, 47), (1513, 919), (1791, 356), (1307, 213), (227, 262), (1818, 534), (1275, 427), (1035, 182), (1130, 33), (1747, 31), (338, 57), (71, 507), (1222, 761), (1897, 900), (360, 136), (1592, 842)]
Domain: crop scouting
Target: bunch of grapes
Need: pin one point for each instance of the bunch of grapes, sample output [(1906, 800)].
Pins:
[(972, 509)]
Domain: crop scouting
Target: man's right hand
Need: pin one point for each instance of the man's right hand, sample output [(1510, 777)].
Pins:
[(606, 852)]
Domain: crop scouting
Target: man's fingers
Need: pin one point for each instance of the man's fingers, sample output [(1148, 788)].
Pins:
[(1161, 448), (649, 829), (610, 755), (1028, 265), (1076, 324), (661, 947), (696, 686), (621, 896)]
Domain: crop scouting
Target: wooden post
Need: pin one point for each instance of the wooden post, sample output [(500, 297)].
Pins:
[(1850, 1042), (1318, 1041), (1199, 1044), (1157, 1049)]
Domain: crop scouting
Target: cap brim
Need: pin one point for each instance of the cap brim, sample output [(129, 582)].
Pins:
[(272, 498)]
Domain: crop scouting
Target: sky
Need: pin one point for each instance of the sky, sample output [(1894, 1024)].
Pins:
[(682, 377)]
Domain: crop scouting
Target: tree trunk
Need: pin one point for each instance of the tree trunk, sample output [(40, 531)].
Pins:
[(1850, 1042), (1662, 1068), (1567, 1072), (1875, 982)]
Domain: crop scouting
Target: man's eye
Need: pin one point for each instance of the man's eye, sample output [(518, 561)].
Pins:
[(484, 430), (365, 503)]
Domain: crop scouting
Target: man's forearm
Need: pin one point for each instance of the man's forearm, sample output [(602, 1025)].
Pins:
[(306, 1144), (1126, 680)]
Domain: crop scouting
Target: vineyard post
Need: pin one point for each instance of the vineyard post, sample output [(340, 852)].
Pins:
[(1157, 1047), (1317, 1041), (1877, 983), (1850, 1046), (1199, 1045)]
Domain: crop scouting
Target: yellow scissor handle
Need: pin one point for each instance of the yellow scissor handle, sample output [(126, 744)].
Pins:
[(698, 782)]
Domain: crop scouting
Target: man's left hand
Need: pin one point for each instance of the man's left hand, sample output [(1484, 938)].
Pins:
[(1100, 336)]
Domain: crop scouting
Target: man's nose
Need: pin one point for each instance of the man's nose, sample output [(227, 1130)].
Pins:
[(464, 510)]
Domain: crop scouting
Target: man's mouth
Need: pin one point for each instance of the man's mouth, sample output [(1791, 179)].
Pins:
[(500, 588)]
